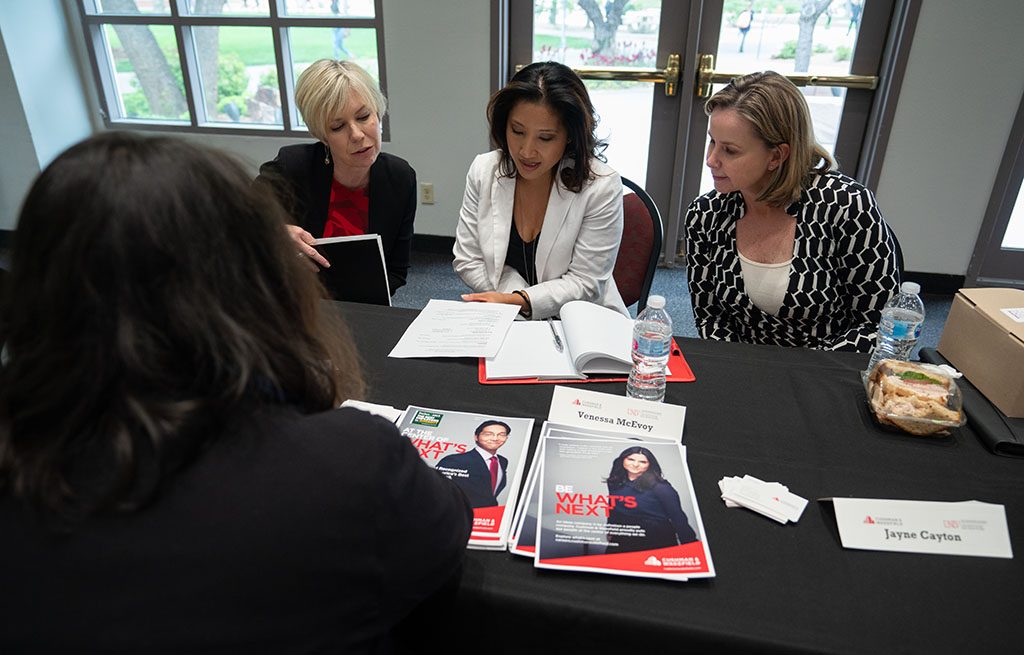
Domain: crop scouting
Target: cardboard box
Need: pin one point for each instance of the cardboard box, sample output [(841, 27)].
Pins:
[(984, 340)]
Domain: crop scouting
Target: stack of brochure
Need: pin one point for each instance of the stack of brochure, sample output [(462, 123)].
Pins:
[(483, 454), (613, 499)]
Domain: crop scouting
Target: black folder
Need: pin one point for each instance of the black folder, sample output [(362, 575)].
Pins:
[(1003, 435), (357, 272)]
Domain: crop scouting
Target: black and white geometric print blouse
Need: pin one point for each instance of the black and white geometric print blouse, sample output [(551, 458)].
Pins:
[(843, 272)]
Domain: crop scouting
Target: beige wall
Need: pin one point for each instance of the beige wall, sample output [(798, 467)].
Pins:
[(963, 84)]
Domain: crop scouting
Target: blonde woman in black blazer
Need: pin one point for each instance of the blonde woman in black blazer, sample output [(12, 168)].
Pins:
[(343, 108)]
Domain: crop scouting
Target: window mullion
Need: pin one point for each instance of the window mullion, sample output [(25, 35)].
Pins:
[(285, 83), (190, 74)]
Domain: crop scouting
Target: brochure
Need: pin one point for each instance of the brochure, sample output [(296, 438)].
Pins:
[(620, 507), (523, 536), (483, 454)]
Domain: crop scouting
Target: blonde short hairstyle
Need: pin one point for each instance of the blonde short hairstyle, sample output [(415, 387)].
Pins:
[(779, 114), (324, 89)]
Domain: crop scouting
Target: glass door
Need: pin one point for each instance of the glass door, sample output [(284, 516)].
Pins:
[(812, 47), (657, 130), (628, 54), (841, 55)]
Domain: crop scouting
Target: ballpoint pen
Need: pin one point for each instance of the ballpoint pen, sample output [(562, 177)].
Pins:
[(554, 333)]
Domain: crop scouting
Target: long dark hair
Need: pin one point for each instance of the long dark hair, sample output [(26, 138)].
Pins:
[(651, 477), (152, 295), (558, 87)]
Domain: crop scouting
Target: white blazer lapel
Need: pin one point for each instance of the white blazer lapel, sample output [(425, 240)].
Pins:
[(559, 203), (504, 193)]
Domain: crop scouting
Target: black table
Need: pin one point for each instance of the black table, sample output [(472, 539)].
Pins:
[(789, 415)]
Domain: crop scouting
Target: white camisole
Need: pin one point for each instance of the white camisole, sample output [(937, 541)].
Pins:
[(766, 284)]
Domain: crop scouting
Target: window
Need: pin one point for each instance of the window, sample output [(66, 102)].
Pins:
[(221, 65)]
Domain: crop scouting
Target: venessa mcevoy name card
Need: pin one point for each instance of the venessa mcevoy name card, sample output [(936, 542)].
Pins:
[(627, 416)]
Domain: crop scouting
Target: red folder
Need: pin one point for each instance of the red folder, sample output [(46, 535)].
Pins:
[(676, 363)]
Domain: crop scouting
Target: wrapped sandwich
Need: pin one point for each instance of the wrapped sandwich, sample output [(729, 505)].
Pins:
[(917, 398)]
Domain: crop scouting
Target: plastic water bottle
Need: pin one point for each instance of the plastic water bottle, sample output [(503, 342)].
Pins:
[(900, 326), (652, 340)]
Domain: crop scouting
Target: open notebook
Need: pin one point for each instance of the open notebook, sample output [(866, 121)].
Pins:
[(597, 340)]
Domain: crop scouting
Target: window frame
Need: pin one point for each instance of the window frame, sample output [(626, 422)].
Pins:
[(93, 22)]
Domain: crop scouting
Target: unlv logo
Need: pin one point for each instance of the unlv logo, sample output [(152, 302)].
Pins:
[(576, 402)]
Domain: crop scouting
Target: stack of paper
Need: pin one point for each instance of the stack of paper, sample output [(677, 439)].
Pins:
[(771, 499), (446, 328), (612, 501), (462, 446)]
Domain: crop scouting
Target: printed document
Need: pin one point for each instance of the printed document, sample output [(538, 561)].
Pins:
[(448, 328)]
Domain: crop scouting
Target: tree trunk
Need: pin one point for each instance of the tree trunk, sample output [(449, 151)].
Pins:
[(207, 41), (809, 13), (154, 74), (605, 25)]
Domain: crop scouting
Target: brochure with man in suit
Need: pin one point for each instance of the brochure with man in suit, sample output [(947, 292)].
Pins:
[(483, 455)]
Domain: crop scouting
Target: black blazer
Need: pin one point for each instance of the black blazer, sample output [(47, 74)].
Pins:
[(302, 181), (290, 533), (475, 478)]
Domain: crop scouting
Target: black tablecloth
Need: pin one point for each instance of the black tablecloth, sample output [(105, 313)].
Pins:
[(789, 415)]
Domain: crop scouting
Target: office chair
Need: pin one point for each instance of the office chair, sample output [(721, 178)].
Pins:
[(642, 234)]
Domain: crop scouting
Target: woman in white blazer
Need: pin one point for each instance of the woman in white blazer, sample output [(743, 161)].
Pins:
[(541, 219)]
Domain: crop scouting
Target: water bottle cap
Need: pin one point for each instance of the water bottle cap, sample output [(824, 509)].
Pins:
[(656, 302), (910, 287)]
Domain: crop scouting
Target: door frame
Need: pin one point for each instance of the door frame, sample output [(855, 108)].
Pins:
[(990, 264)]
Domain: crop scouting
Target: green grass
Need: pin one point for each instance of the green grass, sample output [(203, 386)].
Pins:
[(255, 45), (575, 42)]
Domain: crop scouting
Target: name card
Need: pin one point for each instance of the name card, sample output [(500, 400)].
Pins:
[(578, 407), (913, 526)]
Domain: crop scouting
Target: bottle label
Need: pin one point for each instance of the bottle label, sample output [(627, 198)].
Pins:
[(651, 347), (906, 329)]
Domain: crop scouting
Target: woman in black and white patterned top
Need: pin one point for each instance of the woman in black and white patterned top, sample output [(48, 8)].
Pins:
[(785, 250)]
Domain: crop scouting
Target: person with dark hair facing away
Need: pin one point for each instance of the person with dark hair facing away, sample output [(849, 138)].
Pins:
[(342, 184), (657, 520), (785, 250), (541, 217), (480, 472), (174, 476)]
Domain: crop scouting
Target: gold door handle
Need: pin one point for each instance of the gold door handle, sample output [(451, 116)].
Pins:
[(669, 76), (707, 75)]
